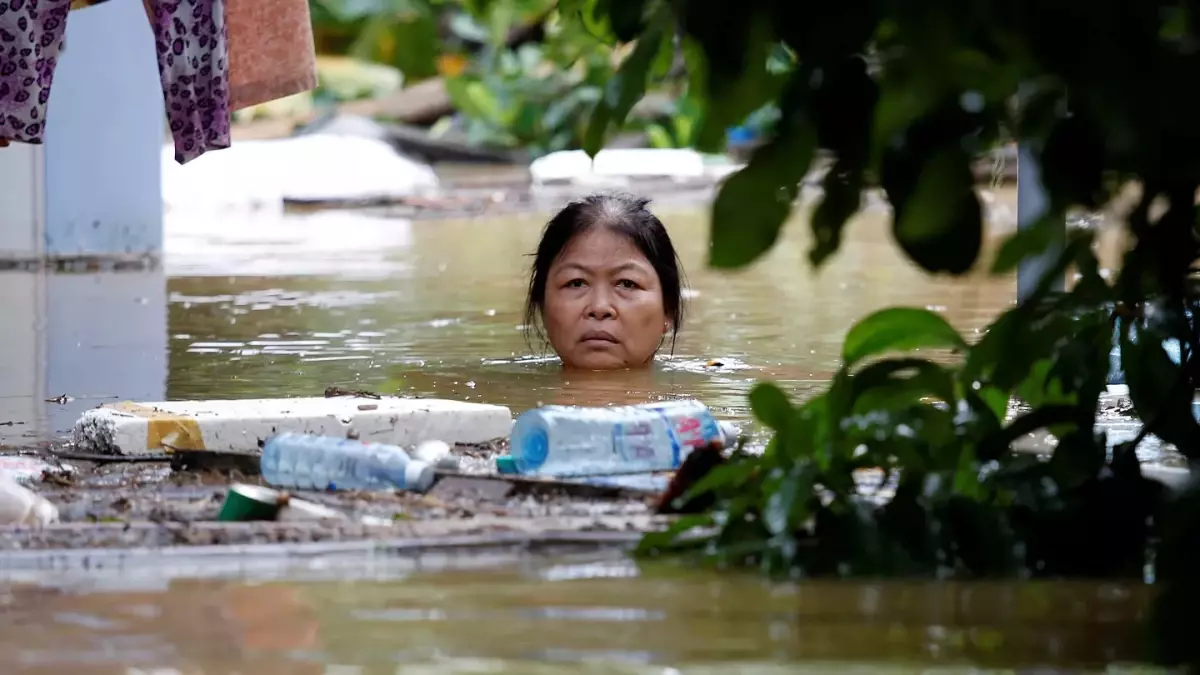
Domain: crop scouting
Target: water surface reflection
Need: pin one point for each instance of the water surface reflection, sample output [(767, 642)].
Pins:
[(564, 616), (437, 311)]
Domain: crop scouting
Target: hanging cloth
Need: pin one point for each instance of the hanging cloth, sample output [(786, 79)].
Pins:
[(31, 37), (193, 65), (214, 56), (193, 62), (271, 53)]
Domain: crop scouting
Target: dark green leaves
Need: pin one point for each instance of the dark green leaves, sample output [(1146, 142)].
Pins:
[(754, 202), (898, 329), (627, 18), (736, 42), (939, 223), (1159, 388), (926, 171), (842, 187), (1028, 242), (623, 91), (1072, 167), (771, 406)]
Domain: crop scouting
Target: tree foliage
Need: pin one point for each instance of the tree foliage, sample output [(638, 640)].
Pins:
[(902, 95)]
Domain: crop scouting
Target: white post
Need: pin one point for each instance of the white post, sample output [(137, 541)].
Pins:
[(1031, 205), (93, 191)]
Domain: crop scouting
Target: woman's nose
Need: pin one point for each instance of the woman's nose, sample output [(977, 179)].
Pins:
[(600, 306)]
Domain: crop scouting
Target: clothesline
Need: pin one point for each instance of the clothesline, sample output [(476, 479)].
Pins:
[(208, 54)]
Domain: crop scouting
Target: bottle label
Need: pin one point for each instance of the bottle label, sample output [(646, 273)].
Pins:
[(668, 429)]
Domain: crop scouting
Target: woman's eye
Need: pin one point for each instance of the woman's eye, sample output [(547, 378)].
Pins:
[(627, 284), (574, 283)]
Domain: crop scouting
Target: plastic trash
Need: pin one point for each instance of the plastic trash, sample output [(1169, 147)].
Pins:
[(26, 469), (437, 454), (309, 462), (569, 441), (246, 502), (251, 502), (21, 506)]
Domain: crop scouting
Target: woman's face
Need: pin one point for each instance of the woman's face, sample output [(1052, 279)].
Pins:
[(603, 308)]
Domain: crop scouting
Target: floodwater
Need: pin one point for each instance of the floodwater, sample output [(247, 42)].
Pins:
[(565, 615), (266, 306), (435, 309)]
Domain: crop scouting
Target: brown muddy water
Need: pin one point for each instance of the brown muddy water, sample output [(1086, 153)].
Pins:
[(264, 306), (564, 615)]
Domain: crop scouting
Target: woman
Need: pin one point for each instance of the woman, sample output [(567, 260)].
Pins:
[(605, 287)]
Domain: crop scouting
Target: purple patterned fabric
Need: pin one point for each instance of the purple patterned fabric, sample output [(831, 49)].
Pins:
[(31, 37), (192, 63)]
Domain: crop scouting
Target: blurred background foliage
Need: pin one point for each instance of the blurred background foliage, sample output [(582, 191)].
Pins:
[(518, 75)]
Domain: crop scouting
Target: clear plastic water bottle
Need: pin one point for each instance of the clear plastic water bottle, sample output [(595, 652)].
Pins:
[(307, 462), (573, 441)]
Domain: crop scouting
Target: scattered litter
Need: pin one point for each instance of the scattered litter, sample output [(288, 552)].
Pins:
[(251, 502), (262, 173), (242, 425), (21, 506), (298, 510), (567, 441), (436, 454), (333, 392), (25, 469), (226, 463), (308, 462)]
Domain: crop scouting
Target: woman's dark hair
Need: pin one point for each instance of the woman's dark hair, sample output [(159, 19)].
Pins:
[(623, 213)]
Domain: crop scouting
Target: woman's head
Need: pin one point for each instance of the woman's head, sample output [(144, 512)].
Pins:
[(605, 283)]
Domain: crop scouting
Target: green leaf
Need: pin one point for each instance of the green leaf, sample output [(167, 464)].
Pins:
[(656, 542), (1072, 163), (737, 43), (475, 98), (995, 400), (1029, 242), (786, 499), (842, 188), (729, 477), (622, 92), (844, 110), (659, 137), (771, 406), (626, 18), (898, 329), (1159, 389), (940, 224), (896, 382), (753, 204), (966, 476)]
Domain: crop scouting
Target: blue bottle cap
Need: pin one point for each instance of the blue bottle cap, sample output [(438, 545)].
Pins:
[(505, 464)]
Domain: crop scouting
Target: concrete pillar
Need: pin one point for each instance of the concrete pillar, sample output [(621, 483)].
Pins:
[(93, 191), (1031, 205)]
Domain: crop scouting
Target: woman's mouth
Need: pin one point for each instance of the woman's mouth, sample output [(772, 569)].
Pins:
[(599, 336)]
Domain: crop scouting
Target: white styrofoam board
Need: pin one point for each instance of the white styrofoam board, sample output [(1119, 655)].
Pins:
[(240, 425)]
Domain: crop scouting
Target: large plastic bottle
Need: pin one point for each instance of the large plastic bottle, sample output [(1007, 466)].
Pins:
[(574, 441), (307, 462)]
